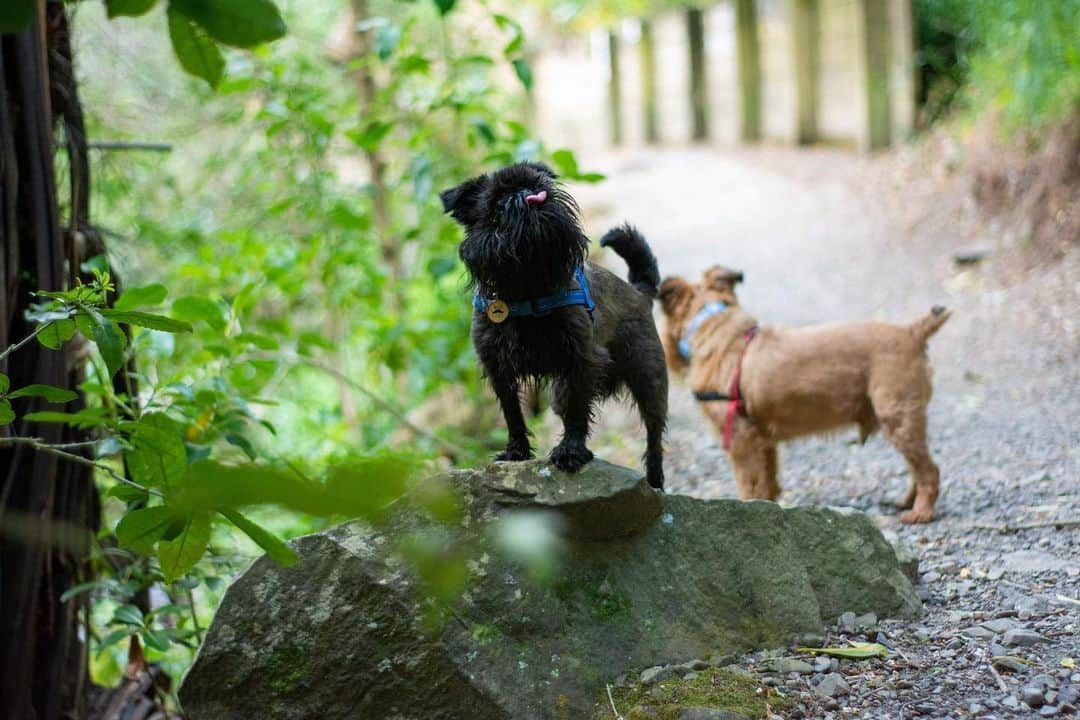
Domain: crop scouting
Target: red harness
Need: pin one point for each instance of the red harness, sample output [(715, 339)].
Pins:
[(735, 400)]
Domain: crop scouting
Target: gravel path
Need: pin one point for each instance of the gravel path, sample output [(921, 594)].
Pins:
[(824, 236)]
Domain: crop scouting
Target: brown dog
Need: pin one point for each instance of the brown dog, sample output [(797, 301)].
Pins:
[(762, 387)]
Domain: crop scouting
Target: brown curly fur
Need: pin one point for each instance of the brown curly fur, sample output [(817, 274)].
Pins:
[(805, 381)]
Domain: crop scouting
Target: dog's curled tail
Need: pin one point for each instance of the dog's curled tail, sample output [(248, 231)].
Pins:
[(929, 324), (632, 247)]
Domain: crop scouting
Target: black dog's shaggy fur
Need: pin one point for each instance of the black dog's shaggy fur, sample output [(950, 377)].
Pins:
[(519, 250)]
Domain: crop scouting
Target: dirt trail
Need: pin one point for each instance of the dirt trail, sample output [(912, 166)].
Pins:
[(820, 238)]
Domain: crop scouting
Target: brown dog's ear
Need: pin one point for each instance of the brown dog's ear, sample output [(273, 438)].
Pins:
[(674, 291), (462, 202), (720, 278)]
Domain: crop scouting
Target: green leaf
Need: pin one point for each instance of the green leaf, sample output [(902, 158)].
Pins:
[(148, 296), (79, 590), (194, 308), (147, 320), (5, 383), (157, 457), (110, 341), (15, 15), (240, 23), (131, 8), (50, 393), (128, 615), (857, 651), (114, 637), (88, 417), (56, 333), (140, 529), (156, 639), (370, 136), (565, 162), (387, 38), (274, 546), (7, 415), (198, 54), (445, 6), (524, 72), (127, 493), (179, 555)]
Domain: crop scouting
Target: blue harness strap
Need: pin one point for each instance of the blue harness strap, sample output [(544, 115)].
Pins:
[(710, 310), (540, 307)]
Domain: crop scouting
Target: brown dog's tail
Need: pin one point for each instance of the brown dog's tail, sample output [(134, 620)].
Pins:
[(927, 325), (632, 247)]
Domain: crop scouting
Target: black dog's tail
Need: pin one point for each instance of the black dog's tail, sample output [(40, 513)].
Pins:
[(631, 247)]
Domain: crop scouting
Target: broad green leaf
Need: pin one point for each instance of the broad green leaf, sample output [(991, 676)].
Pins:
[(156, 639), (857, 651), (7, 415), (114, 637), (128, 615), (524, 72), (274, 546), (147, 320), (371, 135), (240, 23), (194, 308), (15, 15), (386, 40), (140, 529), (110, 340), (565, 163), (179, 555), (445, 6), (198, 54), (5, 383), (157, 457), (79, 590), (85, 418), (56, 333), (127, 493), (148, 296), (50, 393), (131, 8)]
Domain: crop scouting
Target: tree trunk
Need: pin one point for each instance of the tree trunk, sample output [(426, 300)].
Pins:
[(748, 50), (614, 89), (647, 56), (48, 508), (695, 36)]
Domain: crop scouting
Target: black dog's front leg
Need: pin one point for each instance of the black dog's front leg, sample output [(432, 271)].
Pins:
[(517, 444), (573, 403)]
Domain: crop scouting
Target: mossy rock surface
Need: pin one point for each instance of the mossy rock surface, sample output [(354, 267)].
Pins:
[(716, 689), (342, 633)]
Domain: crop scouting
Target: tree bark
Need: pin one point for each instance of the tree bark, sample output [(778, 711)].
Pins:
[(695, 35), (48, 508), (647, 55)]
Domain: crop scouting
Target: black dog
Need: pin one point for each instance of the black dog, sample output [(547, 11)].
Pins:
[(542, 312)]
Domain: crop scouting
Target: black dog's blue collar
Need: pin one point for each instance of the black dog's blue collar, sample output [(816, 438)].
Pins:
[(545, 305), (710, 309)]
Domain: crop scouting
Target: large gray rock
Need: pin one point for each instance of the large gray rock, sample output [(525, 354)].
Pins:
[(341, 634)]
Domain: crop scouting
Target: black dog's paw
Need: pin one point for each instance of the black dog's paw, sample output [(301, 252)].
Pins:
[(570, 458), (514, 453)]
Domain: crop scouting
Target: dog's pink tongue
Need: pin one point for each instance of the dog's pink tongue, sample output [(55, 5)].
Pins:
[(537, 198)]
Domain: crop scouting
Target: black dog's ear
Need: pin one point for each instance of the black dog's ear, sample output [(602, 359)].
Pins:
[(541, 167), (462, 202), (674, 291)]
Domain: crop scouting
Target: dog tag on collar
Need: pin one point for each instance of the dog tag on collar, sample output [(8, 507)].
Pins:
[(498, 311)]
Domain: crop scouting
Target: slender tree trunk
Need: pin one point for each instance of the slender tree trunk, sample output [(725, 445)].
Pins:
[(748, 51), (695, 35), (614, 89), (647, 52), (366, 89), (48, 508)]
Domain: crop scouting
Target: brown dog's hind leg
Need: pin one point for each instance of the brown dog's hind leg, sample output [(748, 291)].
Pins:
[(750, 461), (906, 431), (771, 489)]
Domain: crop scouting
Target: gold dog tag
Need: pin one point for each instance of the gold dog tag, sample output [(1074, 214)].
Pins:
[(498, 311)]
